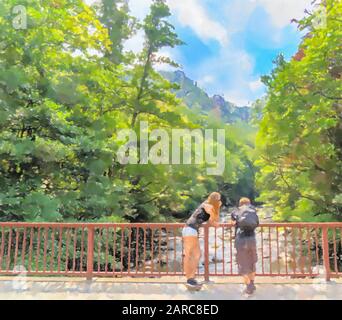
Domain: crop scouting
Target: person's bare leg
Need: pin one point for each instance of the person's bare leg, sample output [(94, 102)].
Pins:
[(187, 256), (196, 256), (189, 251), (246, 279), (251, 276)]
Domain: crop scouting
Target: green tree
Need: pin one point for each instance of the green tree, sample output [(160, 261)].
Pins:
[(150, 87), (114, 15), (299, 141), (50, 147)]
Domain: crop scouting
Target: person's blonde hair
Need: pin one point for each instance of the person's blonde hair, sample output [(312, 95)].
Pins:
[(244, 201), (215, 200)]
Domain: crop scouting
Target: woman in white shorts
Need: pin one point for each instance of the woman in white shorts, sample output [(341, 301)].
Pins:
[(207, 211)]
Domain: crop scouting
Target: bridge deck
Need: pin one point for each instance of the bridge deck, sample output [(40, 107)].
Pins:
[(165, 289)]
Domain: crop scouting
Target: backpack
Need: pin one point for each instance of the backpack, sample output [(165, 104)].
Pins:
[(247, 218)]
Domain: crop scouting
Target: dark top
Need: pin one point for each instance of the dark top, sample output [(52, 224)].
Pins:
[(198, 217), (239, 233)]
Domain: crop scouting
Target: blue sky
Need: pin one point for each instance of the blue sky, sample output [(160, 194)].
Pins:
[(229, 43)]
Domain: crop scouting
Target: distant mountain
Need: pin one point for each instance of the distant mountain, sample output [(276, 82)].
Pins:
[(196, 98)]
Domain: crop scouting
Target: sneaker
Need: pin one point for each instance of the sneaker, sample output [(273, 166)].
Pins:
[(253, 287), (192, 283), (248, 290)]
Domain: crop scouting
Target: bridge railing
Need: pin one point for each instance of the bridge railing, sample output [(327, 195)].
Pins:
[(156, 250)]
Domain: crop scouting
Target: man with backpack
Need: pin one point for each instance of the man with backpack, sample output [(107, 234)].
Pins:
[(246, 220)]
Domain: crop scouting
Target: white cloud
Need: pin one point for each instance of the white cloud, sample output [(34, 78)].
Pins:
[(207, 79), (237, 14), (256, 85), (191, 13), (283, 11), (135, 43), (237, 97), (139, 8)]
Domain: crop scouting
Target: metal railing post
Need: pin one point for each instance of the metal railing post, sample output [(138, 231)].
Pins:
[(90, 253), (206, 252), (325, 244)]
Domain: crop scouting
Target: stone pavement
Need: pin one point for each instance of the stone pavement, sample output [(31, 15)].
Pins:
[(165, 289)]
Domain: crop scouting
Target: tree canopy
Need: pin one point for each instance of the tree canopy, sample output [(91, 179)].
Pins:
[(66, 88), (299, 141)]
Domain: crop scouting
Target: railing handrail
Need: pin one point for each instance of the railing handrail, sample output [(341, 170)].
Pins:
[(92, 230), (161, 225)]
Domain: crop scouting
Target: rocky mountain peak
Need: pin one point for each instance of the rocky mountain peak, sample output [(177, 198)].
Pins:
[(179, 76), (195, 97), (218, 101)]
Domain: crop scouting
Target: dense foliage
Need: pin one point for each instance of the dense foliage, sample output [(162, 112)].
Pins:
[(300, 138), (66, 88)]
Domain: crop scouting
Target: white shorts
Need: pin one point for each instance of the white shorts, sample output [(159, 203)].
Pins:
[(189, 232)]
